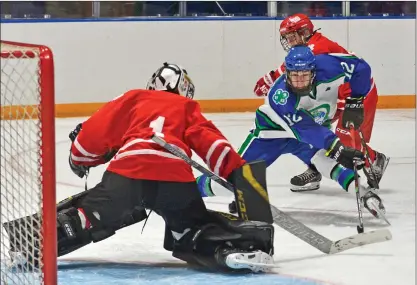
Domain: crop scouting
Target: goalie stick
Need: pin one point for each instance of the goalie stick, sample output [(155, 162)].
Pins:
[(287, 222)]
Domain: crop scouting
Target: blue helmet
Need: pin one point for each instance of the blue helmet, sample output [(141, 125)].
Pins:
[(298, 59)]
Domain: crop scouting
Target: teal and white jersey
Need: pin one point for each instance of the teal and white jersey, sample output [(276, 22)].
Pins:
[(308, 118), (322, 100)]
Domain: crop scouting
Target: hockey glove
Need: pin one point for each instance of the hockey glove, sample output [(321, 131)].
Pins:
[(353, 113), (75, 132), (79, 170), (345, 155), (264, 84)]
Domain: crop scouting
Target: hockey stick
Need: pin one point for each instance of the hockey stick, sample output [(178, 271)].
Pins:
[(368, 158), (360, 228), (380, 213), (285, 221)]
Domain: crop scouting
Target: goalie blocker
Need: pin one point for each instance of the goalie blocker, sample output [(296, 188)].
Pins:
[(201, 237)]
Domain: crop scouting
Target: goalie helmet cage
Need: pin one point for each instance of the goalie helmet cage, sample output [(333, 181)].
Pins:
[(28, 164)]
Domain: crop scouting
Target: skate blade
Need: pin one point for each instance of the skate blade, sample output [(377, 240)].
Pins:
[(262, 262), (312, 186), (256, 267), (380, 213)]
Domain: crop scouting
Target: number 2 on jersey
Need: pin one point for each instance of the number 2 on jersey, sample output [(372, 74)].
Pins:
[(157, 126)]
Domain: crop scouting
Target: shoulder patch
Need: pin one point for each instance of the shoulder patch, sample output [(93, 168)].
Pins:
[(280, 97)]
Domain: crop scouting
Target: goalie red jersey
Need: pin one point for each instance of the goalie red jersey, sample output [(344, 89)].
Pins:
[(127, 124)]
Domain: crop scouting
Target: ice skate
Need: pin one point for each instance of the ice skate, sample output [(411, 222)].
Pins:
[(373, 204), (379, 166), (255, 261), (307, 181)]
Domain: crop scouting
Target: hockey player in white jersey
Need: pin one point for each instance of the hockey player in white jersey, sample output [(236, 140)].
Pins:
[(296, 119)]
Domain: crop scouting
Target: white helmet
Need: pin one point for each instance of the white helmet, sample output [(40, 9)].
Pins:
[(172, 78)]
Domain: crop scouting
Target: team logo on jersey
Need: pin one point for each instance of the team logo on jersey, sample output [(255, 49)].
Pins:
[(320, 113), (280, 97)]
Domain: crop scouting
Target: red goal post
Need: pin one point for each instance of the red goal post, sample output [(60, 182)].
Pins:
[(28, 159)]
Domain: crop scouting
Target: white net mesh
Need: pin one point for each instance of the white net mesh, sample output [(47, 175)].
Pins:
[(21, 162)]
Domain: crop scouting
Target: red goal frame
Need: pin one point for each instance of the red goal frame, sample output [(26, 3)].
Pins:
[(47, 136)]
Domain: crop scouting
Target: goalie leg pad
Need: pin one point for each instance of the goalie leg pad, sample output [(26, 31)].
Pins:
[(199, 246), (254, 234), (194, 249), (71, 235), (251, 194), (24, 244), (100, 231)]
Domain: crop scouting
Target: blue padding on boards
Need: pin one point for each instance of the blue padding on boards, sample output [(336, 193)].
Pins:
[(96, 273)]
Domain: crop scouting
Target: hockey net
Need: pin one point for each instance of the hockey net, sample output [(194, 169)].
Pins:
[(28, 208)]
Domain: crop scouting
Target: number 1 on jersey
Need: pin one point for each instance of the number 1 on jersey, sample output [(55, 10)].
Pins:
[(157, 126)]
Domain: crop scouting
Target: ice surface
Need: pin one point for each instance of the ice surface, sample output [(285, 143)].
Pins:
[(330, 211)]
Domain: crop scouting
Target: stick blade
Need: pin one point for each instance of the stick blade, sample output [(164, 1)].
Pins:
[(360, 240)]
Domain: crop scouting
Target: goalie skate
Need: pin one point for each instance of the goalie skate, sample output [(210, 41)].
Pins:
[(307, 181), (255, 261), (373, 204)]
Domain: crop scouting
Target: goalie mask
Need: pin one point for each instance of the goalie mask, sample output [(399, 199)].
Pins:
[(300, 70), (172, 78)]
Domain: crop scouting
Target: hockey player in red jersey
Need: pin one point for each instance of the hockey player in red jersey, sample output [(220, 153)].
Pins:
[(143, 175), (140, 114), (298, 29)]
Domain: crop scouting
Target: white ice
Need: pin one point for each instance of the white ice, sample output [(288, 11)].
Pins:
[(330, 210)]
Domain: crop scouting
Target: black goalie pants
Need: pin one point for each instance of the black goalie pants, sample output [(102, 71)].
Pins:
[(116, 196)]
